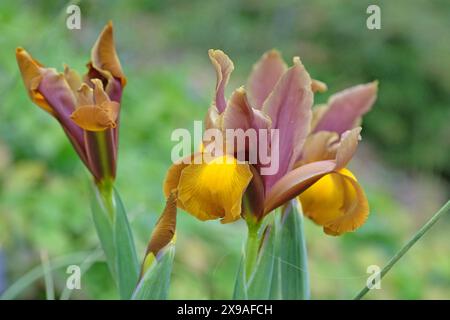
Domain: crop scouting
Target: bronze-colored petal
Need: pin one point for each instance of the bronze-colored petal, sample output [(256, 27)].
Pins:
[(31, 71), (100, 95), (104, 55), (347, 147), (72, 78), (318, 146), (318, 86), (85, 95), (164, 231), (93, 118)]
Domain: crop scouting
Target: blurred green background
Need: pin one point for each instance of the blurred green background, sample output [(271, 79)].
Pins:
[(403, 162)]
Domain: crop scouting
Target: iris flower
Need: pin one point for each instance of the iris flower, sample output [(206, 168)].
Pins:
[(315, 147), (86, 107)]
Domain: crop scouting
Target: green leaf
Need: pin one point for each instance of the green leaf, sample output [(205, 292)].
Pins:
[(126, 259), (292, 254), (154, 285), (240, 289), (116, 238), (257, 285)]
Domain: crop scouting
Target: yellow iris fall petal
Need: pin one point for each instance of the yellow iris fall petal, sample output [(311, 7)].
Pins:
[(337, 202), (215, 189)]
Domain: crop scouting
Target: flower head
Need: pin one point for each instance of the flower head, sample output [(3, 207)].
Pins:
[(87, 108), (314, 147)]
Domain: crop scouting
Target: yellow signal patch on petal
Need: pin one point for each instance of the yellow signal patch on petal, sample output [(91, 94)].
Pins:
[(96, 118), (337, 202), (215, 189)]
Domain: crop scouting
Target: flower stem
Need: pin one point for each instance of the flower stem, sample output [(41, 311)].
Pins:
[(408, 246)]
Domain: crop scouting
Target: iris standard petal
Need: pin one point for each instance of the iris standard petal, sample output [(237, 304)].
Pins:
[(264, 76), (214, 190), (346, 107), (336, 202), (223, 66), (240, 115), (289, 108)]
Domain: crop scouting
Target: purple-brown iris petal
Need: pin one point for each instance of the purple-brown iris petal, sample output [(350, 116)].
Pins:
[(239, 115), (253, 199), (264, 76), (223, 66), (299, 179), (289, 108), (60, 97), (346, 107), (295, 182)]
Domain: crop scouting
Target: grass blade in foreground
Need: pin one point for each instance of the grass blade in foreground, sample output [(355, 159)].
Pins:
[(414, 239)]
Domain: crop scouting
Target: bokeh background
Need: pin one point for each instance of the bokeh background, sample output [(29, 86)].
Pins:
[(403, 161)]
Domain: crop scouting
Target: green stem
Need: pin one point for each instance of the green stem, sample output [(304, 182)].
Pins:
[(103, 154), (106, 189), (408, 246)]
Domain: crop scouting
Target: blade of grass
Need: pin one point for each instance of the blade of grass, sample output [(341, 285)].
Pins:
[(37, 272), (84, 266), (48, 278), (408, 246)]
